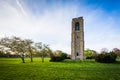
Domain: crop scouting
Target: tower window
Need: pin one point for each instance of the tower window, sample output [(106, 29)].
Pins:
[(77, 37), (77, 54), (77, 26)]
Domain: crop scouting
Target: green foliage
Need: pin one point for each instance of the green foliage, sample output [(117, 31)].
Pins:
[(13, 69), (2, 54), (90, 54), (42, 49), (117, 52), (58, 56), (18, 45), (56, 59), (106, 57)]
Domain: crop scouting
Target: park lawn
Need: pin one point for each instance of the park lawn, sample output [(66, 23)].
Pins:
[(13, 69)]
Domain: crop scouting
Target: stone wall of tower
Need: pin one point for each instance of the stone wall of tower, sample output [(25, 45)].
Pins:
[(77, 39)]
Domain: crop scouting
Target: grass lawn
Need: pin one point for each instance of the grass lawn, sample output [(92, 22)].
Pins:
[(13, 69)]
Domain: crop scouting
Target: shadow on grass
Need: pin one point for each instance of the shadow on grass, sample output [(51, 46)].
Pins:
[(78, 61), (117, 62), (87, 61)]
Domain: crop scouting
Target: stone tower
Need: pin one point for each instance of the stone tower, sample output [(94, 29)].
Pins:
[(77, 36)]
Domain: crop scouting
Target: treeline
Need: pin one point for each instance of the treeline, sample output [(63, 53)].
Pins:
[(17, 47), (91, 54), (104, 56)]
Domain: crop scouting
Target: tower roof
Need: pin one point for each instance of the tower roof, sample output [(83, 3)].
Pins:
[(78, 18)]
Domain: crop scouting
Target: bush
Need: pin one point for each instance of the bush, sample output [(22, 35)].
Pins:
[(106, 57), (90, 54), (58, 58), (89, 57)]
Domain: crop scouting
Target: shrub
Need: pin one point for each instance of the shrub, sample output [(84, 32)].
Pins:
[(89, 57), (106, 57), (90, 54), (58, 58)]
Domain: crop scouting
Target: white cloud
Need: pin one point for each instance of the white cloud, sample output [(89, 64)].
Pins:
[(101, 31), (22, 9), (54, 26)]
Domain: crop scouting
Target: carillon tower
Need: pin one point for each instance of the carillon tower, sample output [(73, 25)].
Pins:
[(77, 36)]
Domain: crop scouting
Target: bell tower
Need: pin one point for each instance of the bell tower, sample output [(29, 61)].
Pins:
[(77, 36)]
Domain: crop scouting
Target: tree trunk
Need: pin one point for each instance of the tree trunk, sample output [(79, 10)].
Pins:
[(42, 57), (31, 58), (23, 61), (22, 57)]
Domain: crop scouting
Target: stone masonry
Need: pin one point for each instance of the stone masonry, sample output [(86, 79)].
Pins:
[(77, 36)]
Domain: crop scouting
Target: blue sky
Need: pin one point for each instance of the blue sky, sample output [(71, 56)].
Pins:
[(49, 21)]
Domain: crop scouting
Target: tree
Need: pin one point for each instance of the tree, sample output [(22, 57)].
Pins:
[(6, 43), (89, 54), (17, 45), (116, 51), (43, 49), (29, 47), (4, 51), (108, 57), (104, 50)]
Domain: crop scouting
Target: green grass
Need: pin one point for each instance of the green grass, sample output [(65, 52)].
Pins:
[(13, 69)]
